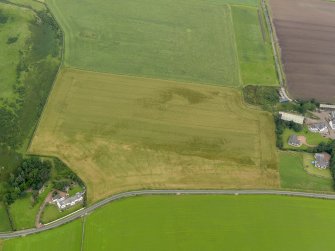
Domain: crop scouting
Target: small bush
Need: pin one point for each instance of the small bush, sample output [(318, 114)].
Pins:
[(12, 40), (3, 18)]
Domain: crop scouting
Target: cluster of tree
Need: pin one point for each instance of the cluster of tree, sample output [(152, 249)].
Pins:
[(64, 176), (32, 174), (264, 96), (9, 126), (281, 125), (35, 73)]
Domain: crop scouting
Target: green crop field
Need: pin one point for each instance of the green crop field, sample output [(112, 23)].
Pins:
[(182, 223), (294, 176), (191, 41), (120, 133)]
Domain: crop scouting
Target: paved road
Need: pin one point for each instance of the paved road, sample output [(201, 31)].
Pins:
[(90, 209)]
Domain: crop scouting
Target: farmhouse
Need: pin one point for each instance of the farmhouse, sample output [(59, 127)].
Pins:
[(318, 127), (322, 160), (292, 117), (294, 141), (64, 203)]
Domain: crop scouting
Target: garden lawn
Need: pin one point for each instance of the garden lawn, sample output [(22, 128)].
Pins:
[(313, 139), (294, 176), (64, 238), (191, 41), (124, 133), (52, 213), (4, 220), (254, 47), (311, 169), (23, 211)]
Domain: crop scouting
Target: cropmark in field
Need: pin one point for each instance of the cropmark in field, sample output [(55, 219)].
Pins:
[(120, 133)]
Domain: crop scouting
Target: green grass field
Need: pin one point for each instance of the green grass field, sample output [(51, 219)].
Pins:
[(182, 223), (254, 47), (4, 220), (294, 176), (123, 133), (65, 238), (17, 25), (191, 41)]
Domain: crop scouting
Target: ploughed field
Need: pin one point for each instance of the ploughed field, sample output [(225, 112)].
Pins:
[(306, 32), (182, 223), (223, 42), (120, 133)]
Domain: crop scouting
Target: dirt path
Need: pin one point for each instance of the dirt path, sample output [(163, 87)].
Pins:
[(38, 223), (303, 140)]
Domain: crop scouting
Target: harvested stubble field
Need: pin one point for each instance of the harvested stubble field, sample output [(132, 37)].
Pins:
[(120, 133), (306, 32), (193, 41)]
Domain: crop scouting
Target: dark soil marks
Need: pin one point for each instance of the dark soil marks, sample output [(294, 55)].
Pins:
[(306, 33)]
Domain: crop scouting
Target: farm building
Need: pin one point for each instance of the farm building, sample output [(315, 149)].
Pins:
[(64, 203), (327, 107), (292, 117), (322, 160), (318, 127), (294, 141)]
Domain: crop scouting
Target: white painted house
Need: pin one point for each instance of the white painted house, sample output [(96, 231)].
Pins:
[(64, 203), (318, 127)]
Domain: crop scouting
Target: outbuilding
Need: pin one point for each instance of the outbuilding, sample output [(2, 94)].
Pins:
[(292, 117)]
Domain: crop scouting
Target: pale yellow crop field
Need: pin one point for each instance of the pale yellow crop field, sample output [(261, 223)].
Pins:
[(120, 133)]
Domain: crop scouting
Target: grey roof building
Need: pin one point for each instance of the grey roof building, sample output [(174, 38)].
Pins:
[(294, 141), (322, 160)]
